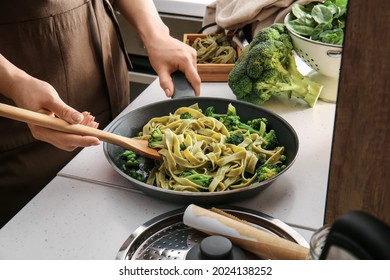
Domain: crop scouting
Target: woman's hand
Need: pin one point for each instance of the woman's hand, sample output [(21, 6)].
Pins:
[(38, 96), (46, 101), (166, 54)]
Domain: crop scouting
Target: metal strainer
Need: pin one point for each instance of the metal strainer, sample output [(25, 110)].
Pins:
[(324, 59), (167, 238)]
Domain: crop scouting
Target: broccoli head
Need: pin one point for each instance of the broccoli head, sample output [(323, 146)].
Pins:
[(268, 68), (267, 171), (200, 179)]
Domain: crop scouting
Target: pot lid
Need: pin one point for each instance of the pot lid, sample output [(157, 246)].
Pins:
[(165, 237)]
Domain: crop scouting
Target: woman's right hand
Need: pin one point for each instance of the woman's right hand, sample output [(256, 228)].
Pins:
[(46, 101), (33, 94)]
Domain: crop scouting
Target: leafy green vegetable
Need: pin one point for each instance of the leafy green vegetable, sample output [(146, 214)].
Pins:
[(323, 22)]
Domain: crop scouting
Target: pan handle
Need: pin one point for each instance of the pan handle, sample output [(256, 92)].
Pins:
[(183, 88)]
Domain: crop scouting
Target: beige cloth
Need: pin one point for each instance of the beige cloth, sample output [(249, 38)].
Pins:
[(232, 15)]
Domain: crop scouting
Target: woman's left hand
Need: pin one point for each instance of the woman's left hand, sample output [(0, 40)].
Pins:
[(169, 55), (166, 54)]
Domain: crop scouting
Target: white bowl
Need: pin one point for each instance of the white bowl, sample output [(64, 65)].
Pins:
[(324, 59)]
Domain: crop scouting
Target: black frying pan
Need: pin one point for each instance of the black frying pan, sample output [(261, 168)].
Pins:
[(131, 123)]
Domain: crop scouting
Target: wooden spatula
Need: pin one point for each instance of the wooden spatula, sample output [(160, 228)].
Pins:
[(138, 146)]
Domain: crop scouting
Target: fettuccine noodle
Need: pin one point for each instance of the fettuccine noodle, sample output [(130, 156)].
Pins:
[(199, 143), (215, 48)]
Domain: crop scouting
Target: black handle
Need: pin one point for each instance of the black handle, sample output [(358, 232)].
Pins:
[(360, 234), (182, 87)]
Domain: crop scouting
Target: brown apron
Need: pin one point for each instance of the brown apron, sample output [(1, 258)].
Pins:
[(74, 46)]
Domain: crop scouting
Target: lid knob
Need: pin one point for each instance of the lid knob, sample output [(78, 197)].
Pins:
[(216, 247)]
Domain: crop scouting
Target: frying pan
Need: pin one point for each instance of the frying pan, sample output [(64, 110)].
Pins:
[(131, 123)]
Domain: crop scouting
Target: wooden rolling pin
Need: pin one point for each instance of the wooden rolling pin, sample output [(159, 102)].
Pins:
[(244, 235)]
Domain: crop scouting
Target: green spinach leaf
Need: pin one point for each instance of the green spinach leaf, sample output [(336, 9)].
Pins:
[(324, 22)]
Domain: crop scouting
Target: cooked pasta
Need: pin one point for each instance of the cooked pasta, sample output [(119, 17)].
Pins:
[(198, 144)]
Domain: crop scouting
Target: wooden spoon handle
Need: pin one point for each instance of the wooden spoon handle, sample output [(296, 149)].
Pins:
[(19, 114), (31, 117)]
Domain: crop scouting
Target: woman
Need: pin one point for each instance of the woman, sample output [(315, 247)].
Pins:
[(65, 57)]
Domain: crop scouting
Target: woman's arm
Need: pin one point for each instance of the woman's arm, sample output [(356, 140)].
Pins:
[(165, 53)]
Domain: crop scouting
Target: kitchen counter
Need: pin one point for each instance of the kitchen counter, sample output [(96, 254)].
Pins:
[(89, 210)]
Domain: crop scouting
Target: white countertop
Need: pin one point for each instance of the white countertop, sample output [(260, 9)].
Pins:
[(89, 210), (194, 8)]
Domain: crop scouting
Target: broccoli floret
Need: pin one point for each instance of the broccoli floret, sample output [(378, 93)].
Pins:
[(157, 134), (128, 153), (185, 115), (155, 140), (231, 120), (240, 83), (267, 171), (200, 179), (266, 34), (233, 123), (261, 159), (235, 138), (268, 68), (134, 174), (270, 140), (210, 112), (259, 124), (231, 110), (131, 158), (132, 164)]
